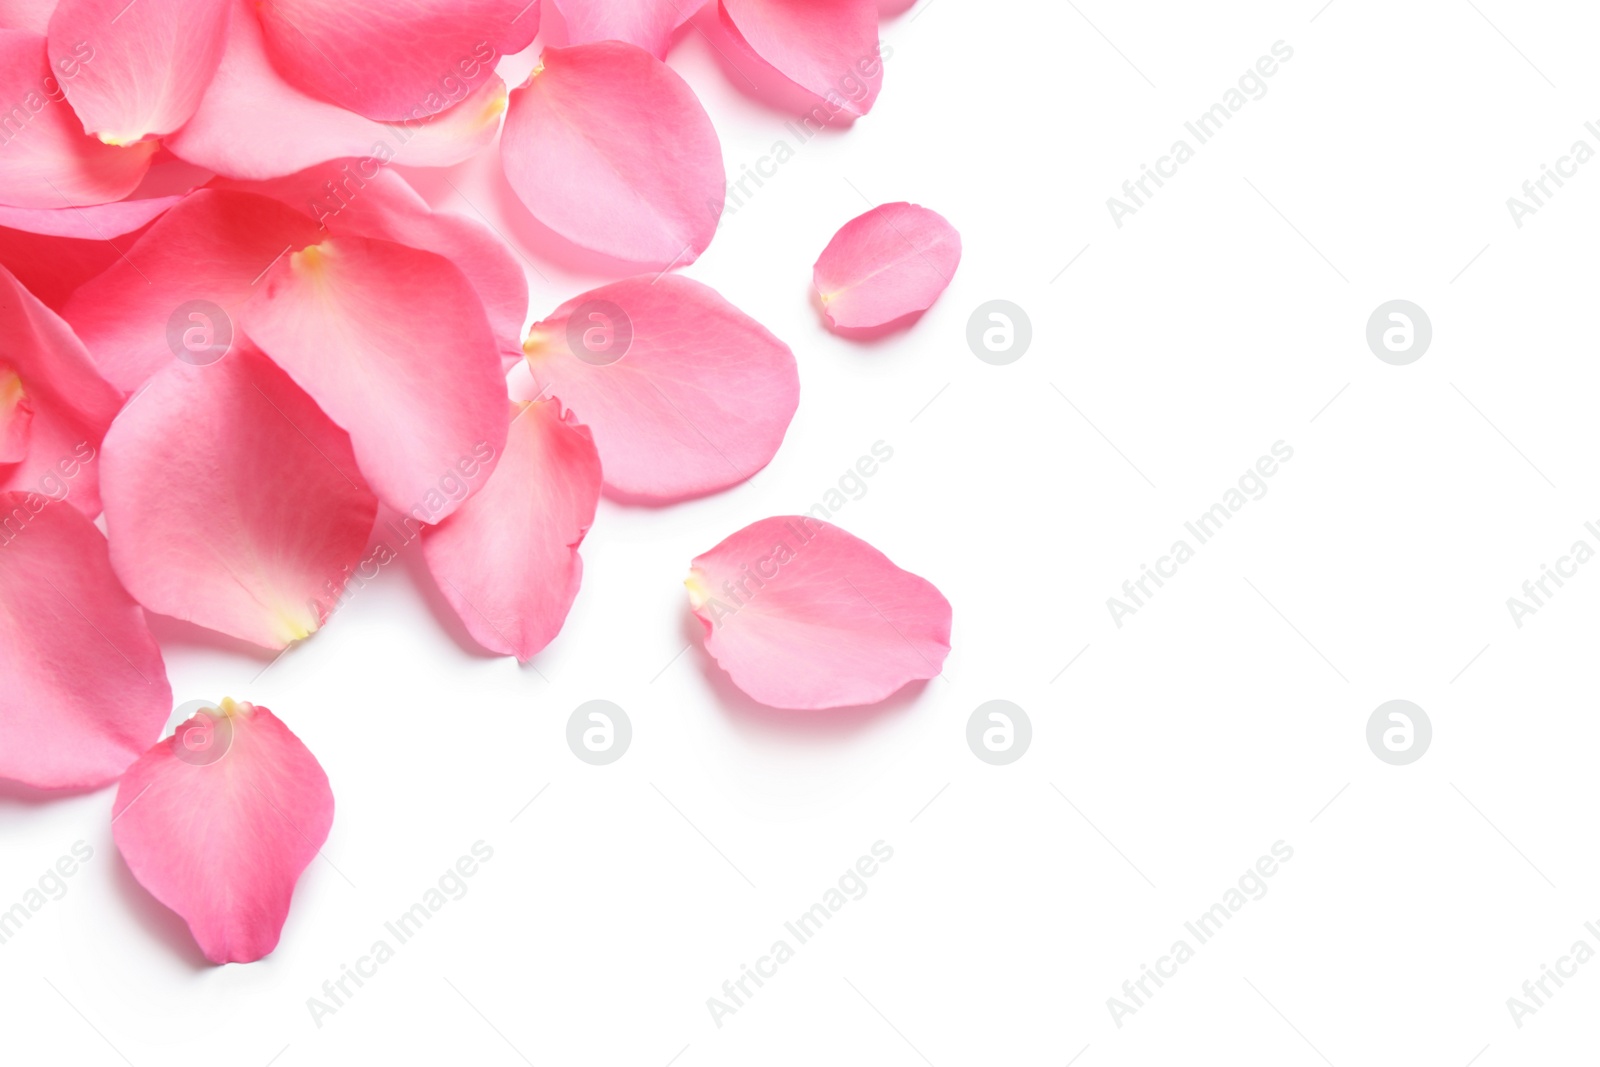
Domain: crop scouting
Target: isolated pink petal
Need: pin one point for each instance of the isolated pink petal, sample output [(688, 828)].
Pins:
[(396, 60), (507, 561), (254, 125), (136, 70), (803, 615), (233, 502), (215, 246), (608, 147), (69, 405), (30, 15), (893, 261), (46, 160), (393, 343), (827, 47), (219, 820), (646, 23), (85, 688), (685, 393)]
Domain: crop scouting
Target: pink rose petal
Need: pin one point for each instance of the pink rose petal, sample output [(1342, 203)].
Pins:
[(803, 615), (827, 47), (85, 688), (891, 262), (646, 23), (608, 147), (98, 222), (685, 394), (219, 820), (30, 15)]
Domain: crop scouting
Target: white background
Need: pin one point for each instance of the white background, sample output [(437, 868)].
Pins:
[(1227, 715)]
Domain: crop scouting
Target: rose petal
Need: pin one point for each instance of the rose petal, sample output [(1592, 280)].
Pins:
[(827, 47), (85, 688), (16, 418), (646, 23), (30, 15), (684, 392), (394, 345), (608, 147), (803, 615), (96, 222), (233, 502), (893, 261), (219, 820), (135, 70), (508, 559)]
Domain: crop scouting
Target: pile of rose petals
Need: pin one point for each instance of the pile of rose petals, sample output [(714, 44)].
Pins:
[(206, 418)]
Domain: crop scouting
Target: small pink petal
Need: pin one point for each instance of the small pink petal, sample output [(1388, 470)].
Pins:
[(803, 615), (891, 262), (219, 820), (393, 343), (508, 559), (136, 70), (233, 502), (397, 60), (646, 23), (827, 47), (85, 688), (685, 393), (608, 147), (46, 160)]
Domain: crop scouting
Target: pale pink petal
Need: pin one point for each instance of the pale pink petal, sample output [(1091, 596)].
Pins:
[(396, 60), (827, 47), (254, 125), (219, 820), (684, 392), (46, 160), (803, 615), (891, 262), (393, 343), (85, 688), (30, 15), (215, 246), (136, 70), (609, 148), (232, 501), (646, 23), (508, 559), (98, 222)]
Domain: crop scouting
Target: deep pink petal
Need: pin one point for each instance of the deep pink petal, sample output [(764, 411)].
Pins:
[(646, 23), (85, 688), (395, 60), (219, 820), (232, 501), (893, 261), (393, 343), (136, 70), (46, 160), (608, 147), (827, 47), (684, 392), (803, 615), (254, 125), (508, 559)]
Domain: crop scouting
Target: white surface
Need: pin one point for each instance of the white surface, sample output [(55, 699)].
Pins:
[(1193, 738)]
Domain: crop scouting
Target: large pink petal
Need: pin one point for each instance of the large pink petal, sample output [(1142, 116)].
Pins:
[(30, 15), (893, 261), (827, 47), (232, 501), (46, 160), (254, 125), (803, 615), (85, 688), (508, 559), (146, 66), (395, 60), (684, 392), (646, 23), (608, 147), (70, 404), (219, 820), (393, 343)]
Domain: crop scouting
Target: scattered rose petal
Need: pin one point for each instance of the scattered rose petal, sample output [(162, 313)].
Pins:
[(608, 147), (891, 262), (85, 688), (233, 502), (827, 47), (803, 615), (219, 820), (508, 559), (685, 393), (646, 23)]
